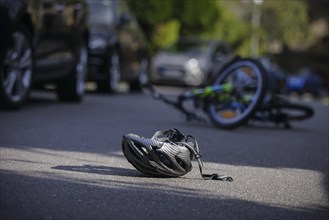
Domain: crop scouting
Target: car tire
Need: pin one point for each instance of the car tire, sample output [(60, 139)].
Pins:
[(72, 87), (16, 72), (143, 77), (111, 84)]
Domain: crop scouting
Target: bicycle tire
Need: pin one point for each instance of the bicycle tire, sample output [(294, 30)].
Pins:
[(246, 67), (300, 111)]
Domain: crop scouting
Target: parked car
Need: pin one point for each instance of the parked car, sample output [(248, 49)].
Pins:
[(118, 50), (46, 42), (190, 62)]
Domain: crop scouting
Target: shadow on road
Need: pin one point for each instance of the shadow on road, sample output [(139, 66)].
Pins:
[(102, 170), (106, 170), (77, 199)]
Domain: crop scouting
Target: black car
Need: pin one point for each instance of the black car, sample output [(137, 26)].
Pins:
[(117, 48), (43, 41)]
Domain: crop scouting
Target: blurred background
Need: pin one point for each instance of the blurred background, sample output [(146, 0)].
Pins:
[(290, 35), (171, 42)]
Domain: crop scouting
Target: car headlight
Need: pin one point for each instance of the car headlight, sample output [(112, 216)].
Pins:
[(97, 42), (193, 63)]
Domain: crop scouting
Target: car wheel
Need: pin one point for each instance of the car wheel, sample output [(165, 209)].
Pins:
[(72, 87), (17, 71), (143, 77), (113, 74)]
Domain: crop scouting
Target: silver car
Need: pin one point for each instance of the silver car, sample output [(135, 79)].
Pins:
[(189, 62)]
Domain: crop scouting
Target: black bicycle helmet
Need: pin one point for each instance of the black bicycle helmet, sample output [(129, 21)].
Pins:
[(167, 154)]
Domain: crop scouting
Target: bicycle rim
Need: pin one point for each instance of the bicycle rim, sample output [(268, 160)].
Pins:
[(233, 108)]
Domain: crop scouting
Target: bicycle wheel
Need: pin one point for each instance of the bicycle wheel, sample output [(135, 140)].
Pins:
[(292, 111), (231, 108)]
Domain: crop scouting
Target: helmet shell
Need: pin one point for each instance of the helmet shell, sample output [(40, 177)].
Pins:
[(155, 157)]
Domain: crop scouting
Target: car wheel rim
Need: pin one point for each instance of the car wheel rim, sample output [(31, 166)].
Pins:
[(114, 71), (17, 74), (81, 70)]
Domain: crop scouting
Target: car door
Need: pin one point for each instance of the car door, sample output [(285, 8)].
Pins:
[(54, 49)]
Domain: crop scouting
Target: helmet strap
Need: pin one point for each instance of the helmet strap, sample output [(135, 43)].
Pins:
[(174, 135), (195, 150), (213, 176)]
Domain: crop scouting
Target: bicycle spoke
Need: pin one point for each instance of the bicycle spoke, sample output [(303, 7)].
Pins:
[(247, 79)]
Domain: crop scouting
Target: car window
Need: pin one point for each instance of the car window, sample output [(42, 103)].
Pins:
[(101, 12)]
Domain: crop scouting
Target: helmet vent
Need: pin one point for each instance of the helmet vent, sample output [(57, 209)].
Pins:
[(183, 164), (144, 149), (141, 148), (165, 159)]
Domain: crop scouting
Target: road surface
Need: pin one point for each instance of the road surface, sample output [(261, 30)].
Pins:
[(64, 161)]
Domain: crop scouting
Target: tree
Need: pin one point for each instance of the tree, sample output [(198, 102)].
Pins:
[(286, 22), (230, 27), (163, 21), (281, 23), (156, 20), (196, 16)]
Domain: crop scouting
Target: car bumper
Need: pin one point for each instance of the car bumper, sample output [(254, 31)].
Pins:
[(176, 76)]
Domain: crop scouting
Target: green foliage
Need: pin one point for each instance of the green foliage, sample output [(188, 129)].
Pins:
[(155, 18), (163, 21), (151, 12), (196, 16), (286, 21), (231, 28), (165, 34)]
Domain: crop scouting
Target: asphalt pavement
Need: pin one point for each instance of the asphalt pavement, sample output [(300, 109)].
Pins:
[(64, 161)]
